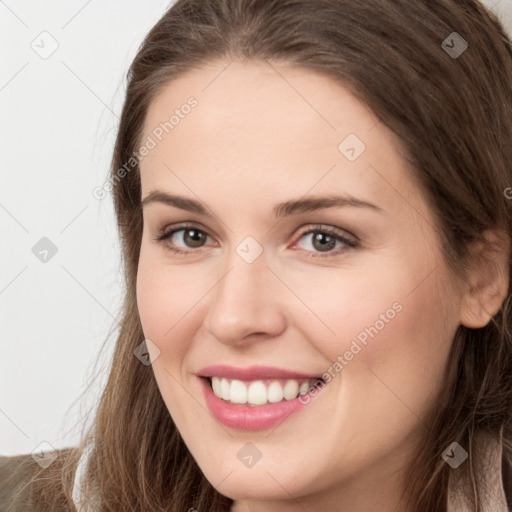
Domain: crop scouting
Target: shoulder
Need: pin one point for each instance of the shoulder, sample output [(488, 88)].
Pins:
[(17, 474), (15, 470)]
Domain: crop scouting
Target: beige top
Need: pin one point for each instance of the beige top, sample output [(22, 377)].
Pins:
[(487, 457)]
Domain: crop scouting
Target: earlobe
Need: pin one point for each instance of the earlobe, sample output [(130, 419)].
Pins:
[(487, 280)]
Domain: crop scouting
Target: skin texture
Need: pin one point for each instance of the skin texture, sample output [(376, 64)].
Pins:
[(262, 134)]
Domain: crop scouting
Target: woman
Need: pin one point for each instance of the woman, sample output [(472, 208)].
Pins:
[(313, 204)]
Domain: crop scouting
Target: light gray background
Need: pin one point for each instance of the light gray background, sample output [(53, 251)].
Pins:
[(58, 122)]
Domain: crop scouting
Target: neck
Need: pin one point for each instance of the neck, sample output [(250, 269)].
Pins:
[(377, 488)]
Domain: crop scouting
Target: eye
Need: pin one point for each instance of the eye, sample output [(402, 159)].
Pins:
[(321, 242), (190, 236)]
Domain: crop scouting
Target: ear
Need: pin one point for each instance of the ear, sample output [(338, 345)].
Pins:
[(487, 279)]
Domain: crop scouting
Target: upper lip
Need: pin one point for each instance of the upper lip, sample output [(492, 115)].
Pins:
[(253, 373)]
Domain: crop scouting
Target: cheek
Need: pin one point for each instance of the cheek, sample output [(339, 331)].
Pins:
[(169, 303), (390, 335), (403, 350), (154, 300), (340, 308)]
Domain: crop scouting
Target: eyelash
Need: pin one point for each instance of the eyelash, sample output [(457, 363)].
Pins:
[(165, 234)]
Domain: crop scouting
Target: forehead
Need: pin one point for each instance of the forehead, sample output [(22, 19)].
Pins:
[(270, 129)]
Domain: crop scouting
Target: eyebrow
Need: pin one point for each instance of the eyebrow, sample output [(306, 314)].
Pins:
[(287, 208)]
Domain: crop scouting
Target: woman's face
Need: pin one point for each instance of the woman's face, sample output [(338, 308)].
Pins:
[(308, 251)]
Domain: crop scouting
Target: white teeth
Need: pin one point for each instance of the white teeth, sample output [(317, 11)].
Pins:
[(216, 386), (275, 392), (225, 389), (291, 389), (259, 392), (304, 388), (238, 392)]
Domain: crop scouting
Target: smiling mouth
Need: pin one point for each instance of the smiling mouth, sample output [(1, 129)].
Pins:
[(260, 392)]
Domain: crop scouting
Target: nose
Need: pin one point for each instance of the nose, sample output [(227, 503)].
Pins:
[(245, 305)]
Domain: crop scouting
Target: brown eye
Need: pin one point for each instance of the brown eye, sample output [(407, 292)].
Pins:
[(193, 237), (324, 242), (180, 239)]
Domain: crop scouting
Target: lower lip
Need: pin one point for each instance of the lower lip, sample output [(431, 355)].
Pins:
[(259, 417)]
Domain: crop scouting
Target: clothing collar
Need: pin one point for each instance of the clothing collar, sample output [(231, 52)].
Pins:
[(80, 483), (487, 461)]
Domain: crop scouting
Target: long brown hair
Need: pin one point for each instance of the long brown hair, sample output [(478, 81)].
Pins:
[(453, 116)]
